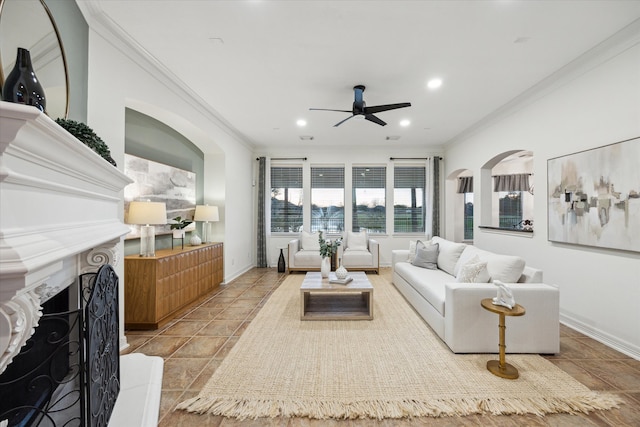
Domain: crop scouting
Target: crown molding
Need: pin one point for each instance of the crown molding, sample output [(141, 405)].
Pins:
[(114, 34), (617, 44)]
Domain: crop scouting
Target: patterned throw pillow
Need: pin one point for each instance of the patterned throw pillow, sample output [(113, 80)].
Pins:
[(427, 257), (474, 271)]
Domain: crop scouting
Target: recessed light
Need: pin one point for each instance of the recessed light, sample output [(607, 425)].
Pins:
[(405, 122), (301, 122), (306, 137), (434, 83), (392, 138)]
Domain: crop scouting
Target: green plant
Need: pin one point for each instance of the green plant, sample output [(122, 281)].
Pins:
[(327, 247), (88, 137), (180, 223)]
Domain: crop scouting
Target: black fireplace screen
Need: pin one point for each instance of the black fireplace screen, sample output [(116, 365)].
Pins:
[(68, 372)]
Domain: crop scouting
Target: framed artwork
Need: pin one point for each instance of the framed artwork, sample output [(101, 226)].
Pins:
[(594, 197), (158, 182)]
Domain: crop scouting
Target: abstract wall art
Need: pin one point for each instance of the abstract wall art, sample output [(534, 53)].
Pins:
[(158, 182), (594, 197)]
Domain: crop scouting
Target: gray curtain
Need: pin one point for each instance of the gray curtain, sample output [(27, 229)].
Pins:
[(515, 182), (465, 184), (435, 218), (262, 232)]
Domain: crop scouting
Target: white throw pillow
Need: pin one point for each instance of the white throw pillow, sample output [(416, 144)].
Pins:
[(309, 241), (506, 268), (474, 271), (356, 241), (448, 254)]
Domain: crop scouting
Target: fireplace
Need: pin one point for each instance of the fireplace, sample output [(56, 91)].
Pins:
[(68, 372), (60, 218)]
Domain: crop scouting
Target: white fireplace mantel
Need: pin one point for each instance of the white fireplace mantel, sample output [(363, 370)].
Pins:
[(60, 210)]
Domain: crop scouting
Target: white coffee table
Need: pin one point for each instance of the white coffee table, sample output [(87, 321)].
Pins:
[(321, 300)]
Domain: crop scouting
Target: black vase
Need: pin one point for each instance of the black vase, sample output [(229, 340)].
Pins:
[(281, 265), (22, 86)]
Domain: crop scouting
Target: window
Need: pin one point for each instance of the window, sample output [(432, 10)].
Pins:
[(286, 199), (369, 199), (327, 199), (468, 216), (409, 199), (510, 209)]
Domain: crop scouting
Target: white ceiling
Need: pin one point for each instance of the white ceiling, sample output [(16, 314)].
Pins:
[(262, 64)]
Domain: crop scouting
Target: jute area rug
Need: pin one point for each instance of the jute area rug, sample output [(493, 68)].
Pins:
[(391, 367)]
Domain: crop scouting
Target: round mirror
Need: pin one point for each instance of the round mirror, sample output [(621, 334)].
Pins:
[(28, 24)]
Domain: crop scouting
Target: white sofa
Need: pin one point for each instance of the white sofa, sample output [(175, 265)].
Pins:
[(453, 309), (361, 254)]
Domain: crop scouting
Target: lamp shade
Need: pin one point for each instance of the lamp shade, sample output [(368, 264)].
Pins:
[(206, 213), (147, 213)]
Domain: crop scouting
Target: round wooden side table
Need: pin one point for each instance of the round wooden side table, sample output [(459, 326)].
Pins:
[(500, 367)]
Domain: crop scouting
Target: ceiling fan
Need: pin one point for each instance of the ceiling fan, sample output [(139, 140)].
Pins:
[(360, 108)]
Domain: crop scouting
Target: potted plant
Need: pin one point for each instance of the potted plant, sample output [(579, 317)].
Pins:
[(178, 226), (327, 250), (88, 137)]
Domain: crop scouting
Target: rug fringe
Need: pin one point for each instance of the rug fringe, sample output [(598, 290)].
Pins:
[(254, 408)]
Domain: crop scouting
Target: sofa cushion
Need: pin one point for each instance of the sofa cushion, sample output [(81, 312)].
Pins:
[(474, 271), (307, 259), (413, 245), (354, 258), (310, 241), (428, 283), (507, 268), (357, 241), (448, 254), (427, 257)]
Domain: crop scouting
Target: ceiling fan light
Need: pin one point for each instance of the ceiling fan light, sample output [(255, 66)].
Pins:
[(404, 123), (301, 122)]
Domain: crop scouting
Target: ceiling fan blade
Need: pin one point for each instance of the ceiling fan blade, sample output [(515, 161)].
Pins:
[(328, 109), (374, 119), (379, 108), (342, 121)]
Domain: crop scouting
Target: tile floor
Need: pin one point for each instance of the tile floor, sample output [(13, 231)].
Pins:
[(198, 339)]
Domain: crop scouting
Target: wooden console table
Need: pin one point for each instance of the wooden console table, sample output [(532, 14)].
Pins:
[(157, 287)]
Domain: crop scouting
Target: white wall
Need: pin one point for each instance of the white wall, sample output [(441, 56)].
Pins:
[(598, 104), (115, 82)]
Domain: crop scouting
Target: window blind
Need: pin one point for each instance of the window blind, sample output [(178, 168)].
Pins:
[(409, 177), (323, 177), (286, 177)]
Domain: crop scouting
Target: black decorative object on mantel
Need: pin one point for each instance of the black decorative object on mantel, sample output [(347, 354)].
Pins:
[(281, 262), (22, 85)]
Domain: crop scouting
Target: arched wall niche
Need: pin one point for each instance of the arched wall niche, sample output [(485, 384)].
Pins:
[(506, 163), (456, 226), (166, 137)]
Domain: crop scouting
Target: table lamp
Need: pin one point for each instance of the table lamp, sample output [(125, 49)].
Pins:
[(145, 214), (207, 214)]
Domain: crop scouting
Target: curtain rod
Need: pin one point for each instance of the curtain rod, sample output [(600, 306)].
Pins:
[(285, 158), (511, 174), (412, 158)]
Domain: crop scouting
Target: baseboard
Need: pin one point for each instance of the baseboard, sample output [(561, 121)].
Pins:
[(236, 274), (601, 336)]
